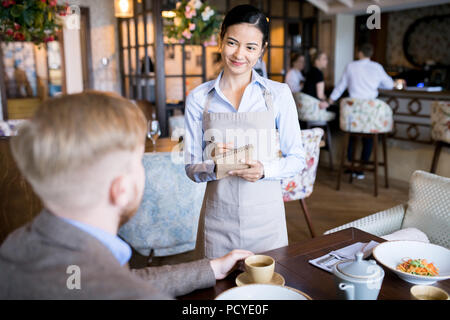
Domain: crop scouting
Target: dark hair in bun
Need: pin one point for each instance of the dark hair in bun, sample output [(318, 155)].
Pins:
[(246, 14)]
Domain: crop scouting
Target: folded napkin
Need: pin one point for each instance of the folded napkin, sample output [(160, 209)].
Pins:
[(412, 234), (327, 262)]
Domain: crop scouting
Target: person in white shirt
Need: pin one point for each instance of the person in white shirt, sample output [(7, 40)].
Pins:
[(294, 77), (362, 78)]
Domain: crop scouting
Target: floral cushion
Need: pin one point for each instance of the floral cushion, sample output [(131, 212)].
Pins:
[(365, 116), (10, 127), (167, 218), (301, 186), (308, 108), (440, 121)]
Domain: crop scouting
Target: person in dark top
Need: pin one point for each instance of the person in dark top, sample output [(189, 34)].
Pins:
[(314, 83)]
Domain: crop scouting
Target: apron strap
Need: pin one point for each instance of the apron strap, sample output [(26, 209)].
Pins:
[(208, 101), (268, 99)]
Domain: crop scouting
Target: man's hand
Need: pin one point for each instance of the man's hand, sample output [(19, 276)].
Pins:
[(226, 264), (252, 174), (399, 84)]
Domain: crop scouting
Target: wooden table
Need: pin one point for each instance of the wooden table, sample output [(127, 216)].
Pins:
[(162, 145), (292, 263)]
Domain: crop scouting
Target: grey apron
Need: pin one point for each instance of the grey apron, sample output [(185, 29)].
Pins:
[(238, 214)]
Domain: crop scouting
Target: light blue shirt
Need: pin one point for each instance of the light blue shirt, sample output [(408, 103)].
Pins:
[(119, 248), (286, 121)]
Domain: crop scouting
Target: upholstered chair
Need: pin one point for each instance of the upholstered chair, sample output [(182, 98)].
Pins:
[(10, 127), (301, 186), (176, 127), (440, 129), (167, 219), (310, 113), (428, 210)]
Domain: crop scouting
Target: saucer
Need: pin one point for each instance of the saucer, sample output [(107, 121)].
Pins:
[(244, 279)]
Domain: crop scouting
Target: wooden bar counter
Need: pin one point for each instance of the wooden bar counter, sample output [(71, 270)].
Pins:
[(412, 109)]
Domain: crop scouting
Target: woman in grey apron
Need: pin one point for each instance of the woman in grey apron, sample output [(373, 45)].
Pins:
[(244, 210)]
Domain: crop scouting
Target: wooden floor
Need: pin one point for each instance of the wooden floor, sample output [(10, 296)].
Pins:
[(328, 208)]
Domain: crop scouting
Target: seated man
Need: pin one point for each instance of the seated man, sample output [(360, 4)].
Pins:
[(362, 78), (82, 154)]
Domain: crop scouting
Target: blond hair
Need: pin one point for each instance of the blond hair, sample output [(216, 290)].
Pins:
[(66, 135)]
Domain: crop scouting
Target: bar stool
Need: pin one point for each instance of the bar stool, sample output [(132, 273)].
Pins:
[(370, 119), (440, 129), (310, 113)]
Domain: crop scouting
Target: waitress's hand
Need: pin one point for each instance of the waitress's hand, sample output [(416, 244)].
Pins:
[(223, 266), (252, 174)]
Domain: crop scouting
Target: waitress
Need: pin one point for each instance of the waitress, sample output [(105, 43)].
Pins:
[(244, 210)]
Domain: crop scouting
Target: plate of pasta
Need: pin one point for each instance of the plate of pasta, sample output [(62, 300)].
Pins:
[(413, 261)]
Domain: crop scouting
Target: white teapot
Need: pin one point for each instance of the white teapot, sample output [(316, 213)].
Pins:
[(359, 279)]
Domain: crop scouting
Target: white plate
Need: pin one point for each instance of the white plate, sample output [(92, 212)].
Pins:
[(391, 253), (262, 292)]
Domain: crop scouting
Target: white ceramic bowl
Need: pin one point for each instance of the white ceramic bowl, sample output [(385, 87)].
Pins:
[(262, 292), (391, 253)]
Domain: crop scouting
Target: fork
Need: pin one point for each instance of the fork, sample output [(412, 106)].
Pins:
[(328, 259)]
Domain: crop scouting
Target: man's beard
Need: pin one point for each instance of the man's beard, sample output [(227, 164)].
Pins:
[(131, 209)]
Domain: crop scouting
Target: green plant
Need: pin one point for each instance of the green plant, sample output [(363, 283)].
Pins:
[(30, 20), (195, 22)]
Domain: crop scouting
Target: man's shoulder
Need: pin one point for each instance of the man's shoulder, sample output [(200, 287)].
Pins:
[(359, 65), (80, 280), (37, 264), (42, 270)]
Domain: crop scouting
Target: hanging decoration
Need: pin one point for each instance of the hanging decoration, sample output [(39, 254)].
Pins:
[(37, 21), (193, 22)]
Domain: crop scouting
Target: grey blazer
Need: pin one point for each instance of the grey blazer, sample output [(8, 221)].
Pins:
[(50, 259)]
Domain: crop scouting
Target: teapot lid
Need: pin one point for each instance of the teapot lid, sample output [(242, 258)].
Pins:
[(359, 268)]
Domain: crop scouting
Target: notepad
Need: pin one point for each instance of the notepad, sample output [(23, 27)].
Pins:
[(231, 160)]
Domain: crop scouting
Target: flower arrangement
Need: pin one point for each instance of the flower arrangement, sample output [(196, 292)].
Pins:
[(30, 20), (195, 22)]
